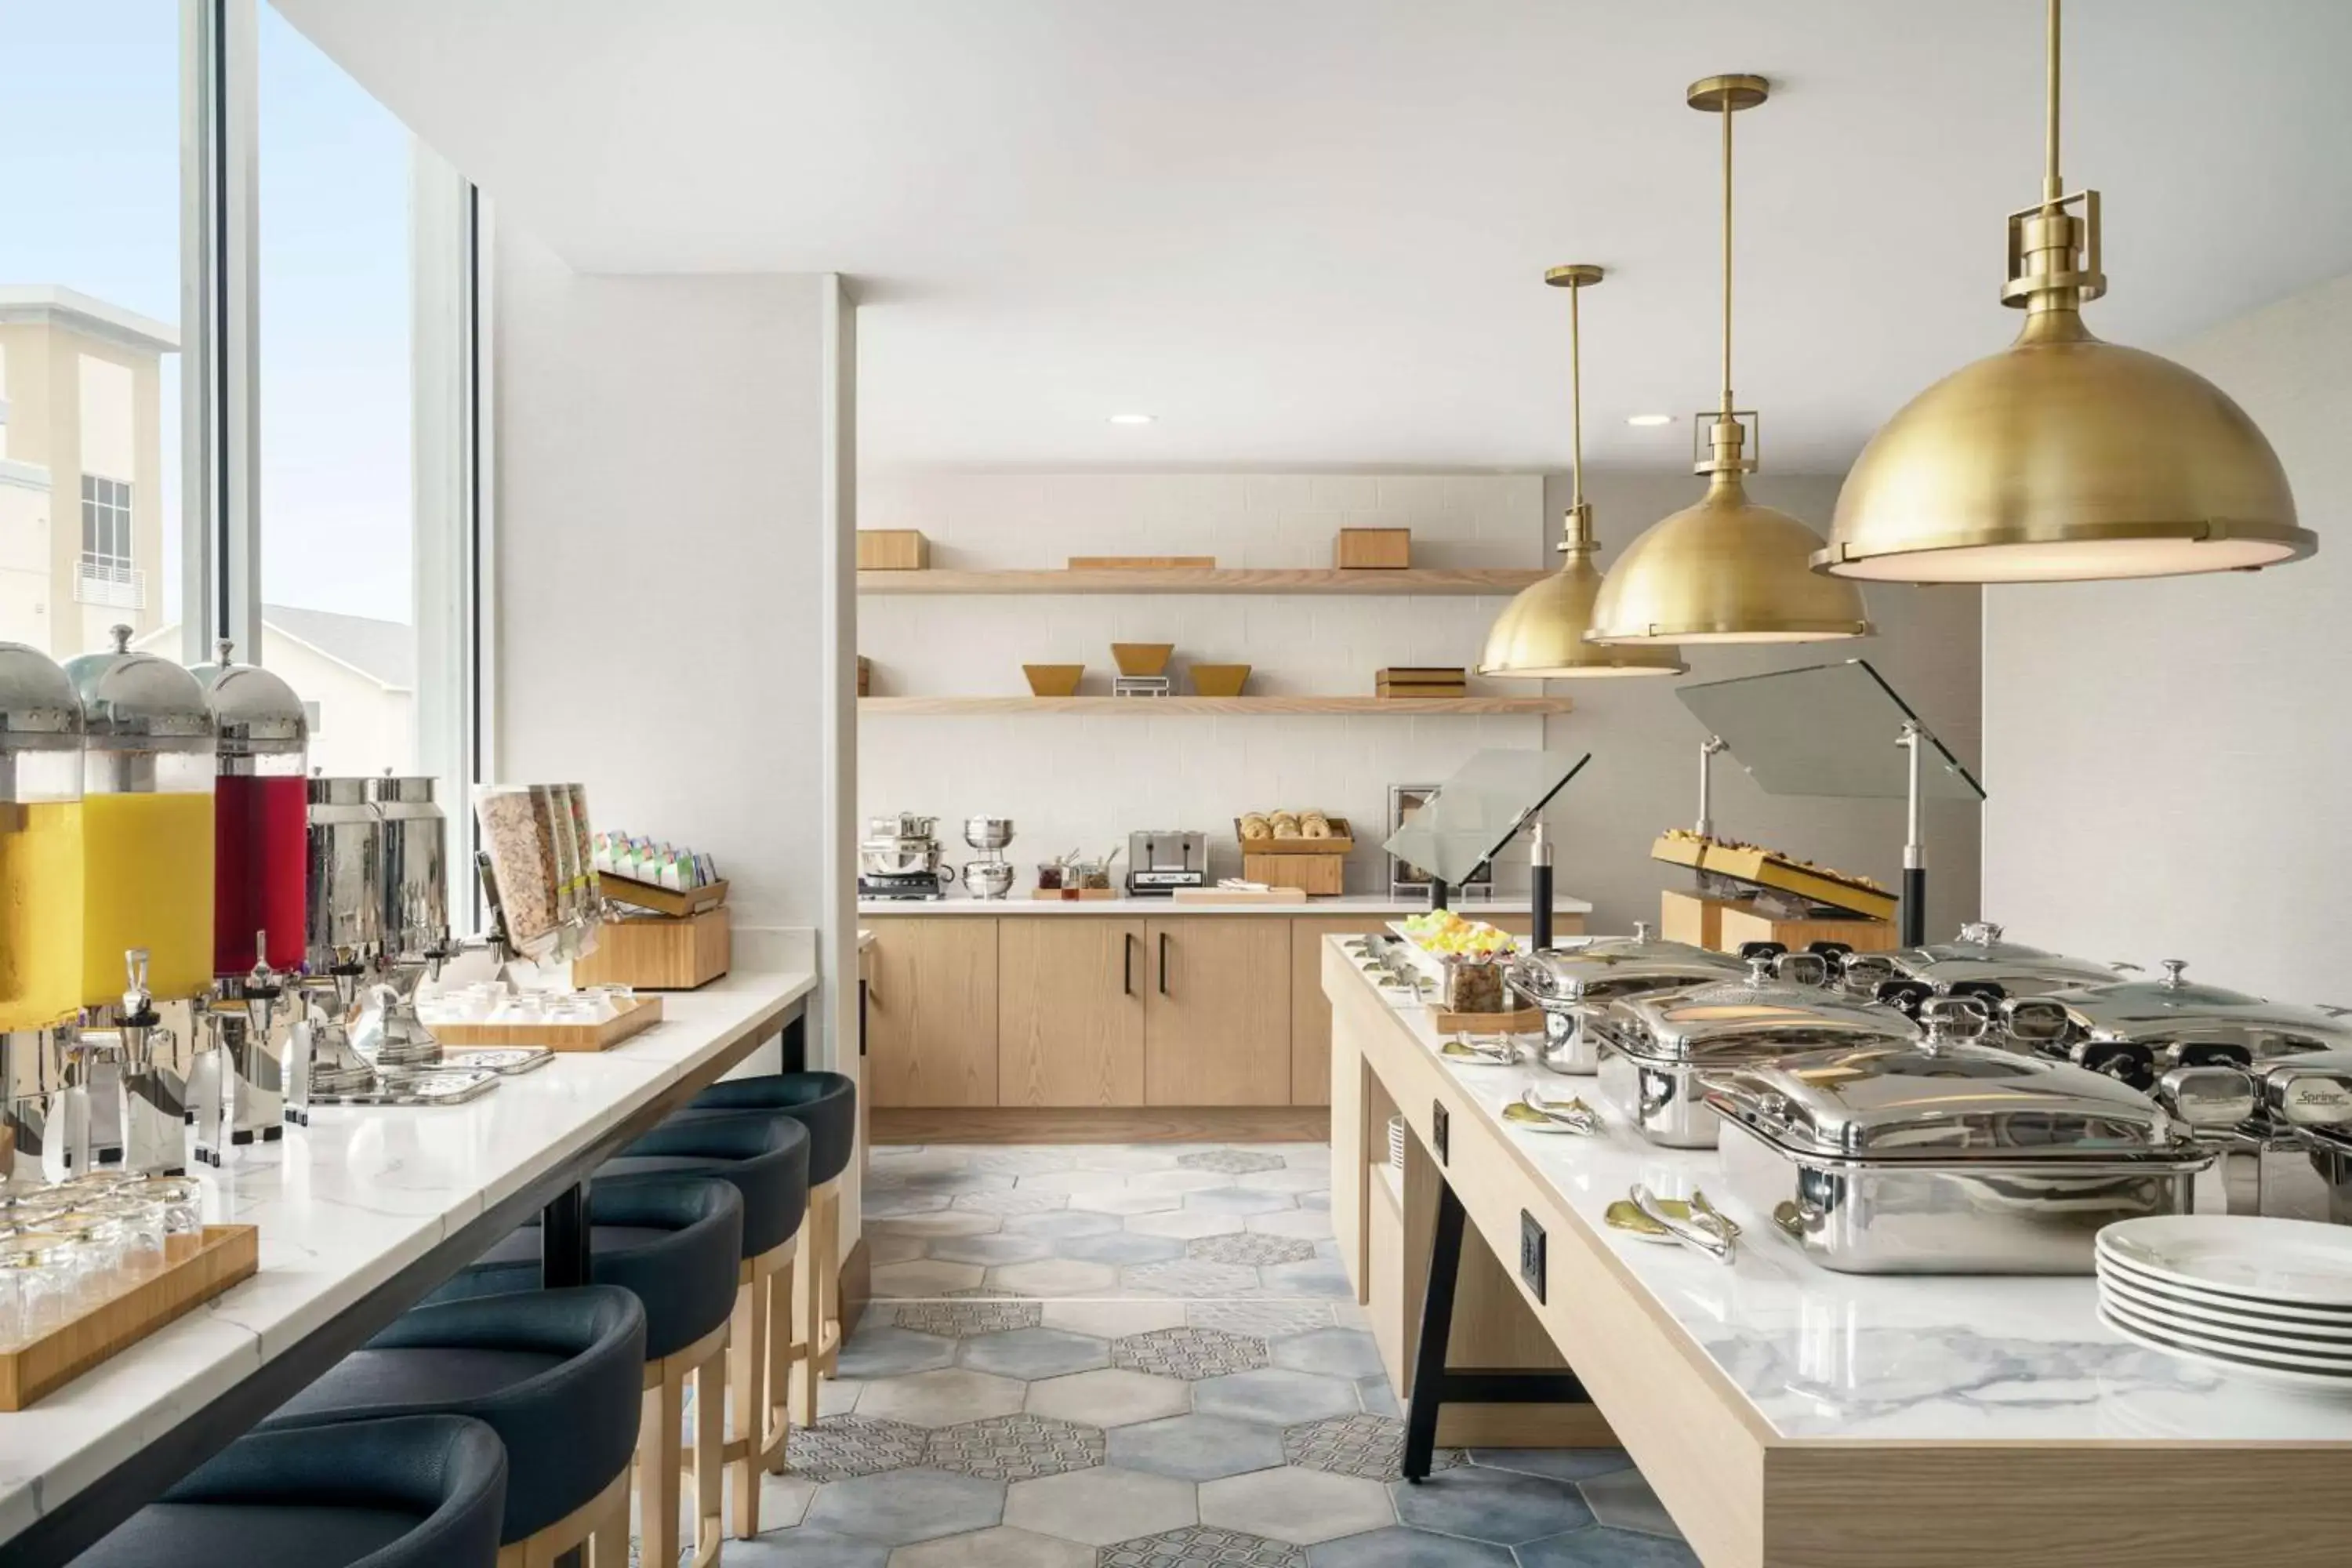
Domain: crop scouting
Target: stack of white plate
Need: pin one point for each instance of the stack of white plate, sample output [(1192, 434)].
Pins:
[(2265, 1298)]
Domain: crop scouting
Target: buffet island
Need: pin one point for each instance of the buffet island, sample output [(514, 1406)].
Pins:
[(1787, 1415)]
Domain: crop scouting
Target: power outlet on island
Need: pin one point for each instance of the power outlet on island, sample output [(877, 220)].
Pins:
[(1441, 1131), (1532, 1254)]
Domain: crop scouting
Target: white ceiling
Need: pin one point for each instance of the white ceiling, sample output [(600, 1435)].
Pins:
[(1311, 232)]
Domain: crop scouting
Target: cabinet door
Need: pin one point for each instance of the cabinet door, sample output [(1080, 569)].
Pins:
[(930, 1011), (1069, 1010), (1310, 1010), (1217, 1023)]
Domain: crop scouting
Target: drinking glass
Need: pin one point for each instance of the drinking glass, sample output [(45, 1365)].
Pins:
[(182, 1200), (96, 1241), (36, 1285), (142, 1216)]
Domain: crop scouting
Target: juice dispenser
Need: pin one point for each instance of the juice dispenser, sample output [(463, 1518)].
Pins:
[(40, 898), (260, 873), (147, 892)]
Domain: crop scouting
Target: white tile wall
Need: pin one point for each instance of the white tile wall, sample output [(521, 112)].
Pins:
[(1073, 782)]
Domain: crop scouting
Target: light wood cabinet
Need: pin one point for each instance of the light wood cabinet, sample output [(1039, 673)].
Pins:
[(1216, 1027), (1070, 993), (1310, 1010), (930, 1011)]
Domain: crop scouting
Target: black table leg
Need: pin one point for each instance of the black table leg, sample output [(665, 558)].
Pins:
[(563, 1239), (794, 1053), (1433, 1383)]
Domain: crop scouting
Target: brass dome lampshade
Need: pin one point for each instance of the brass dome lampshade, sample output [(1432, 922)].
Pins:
[(1539, 636), (2062, 458), (1726, 569)]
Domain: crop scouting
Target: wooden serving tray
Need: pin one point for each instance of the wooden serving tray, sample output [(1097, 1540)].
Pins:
[(638, 1014), (197, 1268), (664, 901), (1071, 895), (1763, 868), (1342, 841), (1524, 1021)]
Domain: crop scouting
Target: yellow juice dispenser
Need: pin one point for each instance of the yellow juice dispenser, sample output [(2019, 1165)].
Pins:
[(147, 748), (40, 900)]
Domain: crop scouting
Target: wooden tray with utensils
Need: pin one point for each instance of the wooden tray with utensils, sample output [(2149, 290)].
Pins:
[(196, 1267), (636, 1015)]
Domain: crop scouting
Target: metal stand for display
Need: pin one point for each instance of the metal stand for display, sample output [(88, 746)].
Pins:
[(1467, 820)]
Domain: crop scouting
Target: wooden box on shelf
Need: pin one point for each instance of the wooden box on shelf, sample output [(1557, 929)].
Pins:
[(635, 1016), (1314, 874), (1422, 680), (892, 550), (195, 1269), (1372, 549), (1743, 922)]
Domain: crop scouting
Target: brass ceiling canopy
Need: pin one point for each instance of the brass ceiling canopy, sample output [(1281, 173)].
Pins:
[(1540, 633), (2062, 458), (1726, 569)]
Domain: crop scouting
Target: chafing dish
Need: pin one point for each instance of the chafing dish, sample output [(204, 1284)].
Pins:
[(2137, 1030), (1569, 982), (1943, 1155), (2291, 1157), (1979, 959), (1655, 1046)]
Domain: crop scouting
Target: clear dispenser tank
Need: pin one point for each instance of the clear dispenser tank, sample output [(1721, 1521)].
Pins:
[(260, 816)]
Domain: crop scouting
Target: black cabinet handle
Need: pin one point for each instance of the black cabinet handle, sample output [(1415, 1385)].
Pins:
[(1163, 963), (1127, 962)]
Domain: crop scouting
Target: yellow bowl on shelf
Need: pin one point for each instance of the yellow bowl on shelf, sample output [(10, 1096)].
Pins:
[(1220, 680), (1053, 680), (1142, 658)]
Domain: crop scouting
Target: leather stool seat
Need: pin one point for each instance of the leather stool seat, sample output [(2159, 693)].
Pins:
[(824, 1102), (555, 1373), (416, 1492), (765, 1156)]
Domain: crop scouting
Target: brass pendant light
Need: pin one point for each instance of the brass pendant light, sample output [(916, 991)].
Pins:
[(1727, 570), (2064, 457), (1540, 633)]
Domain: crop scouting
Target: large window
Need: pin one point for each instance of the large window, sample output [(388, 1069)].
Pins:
[(89, 300)]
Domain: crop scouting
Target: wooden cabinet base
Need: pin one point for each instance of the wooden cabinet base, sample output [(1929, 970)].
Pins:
[(1104, 1124)]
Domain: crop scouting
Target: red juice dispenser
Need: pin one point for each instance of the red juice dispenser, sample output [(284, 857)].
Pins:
[(260, 816)]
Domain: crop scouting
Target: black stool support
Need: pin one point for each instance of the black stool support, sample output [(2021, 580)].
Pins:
[(1433, 1383), (564, 1259)]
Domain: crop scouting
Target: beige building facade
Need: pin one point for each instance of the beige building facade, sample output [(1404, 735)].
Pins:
[(81, 469)]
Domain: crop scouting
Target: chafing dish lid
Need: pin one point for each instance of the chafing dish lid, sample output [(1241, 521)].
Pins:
[(1980, 952), (1742, 1018), (2177, 1008), (1952, 1102), (1607, 966)]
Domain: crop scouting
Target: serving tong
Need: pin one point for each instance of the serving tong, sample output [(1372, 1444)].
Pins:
[(1537, 1114), (1695, 1223), (1465, 1051)]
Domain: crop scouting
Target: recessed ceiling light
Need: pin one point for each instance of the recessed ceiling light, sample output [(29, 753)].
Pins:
[(1130, 418), (1647, 420)]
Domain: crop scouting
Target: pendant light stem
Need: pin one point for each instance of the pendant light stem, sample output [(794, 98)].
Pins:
[(1727, 253), (2053, 187), (1575, 400)]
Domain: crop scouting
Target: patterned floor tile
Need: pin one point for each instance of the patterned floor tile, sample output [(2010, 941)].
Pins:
[(1196, 1280), (1301, 1507), (1371, 1446), (1189, 1354), (1014, 1202), (850, 1445), (1002, 1547), (1063, 1224), (1032, 1354), (906, 1505), (1112, 1397), (1266, 1320), (1398, 1548), (1015, 1447), (1202, 1546), (1273, 1395), (1601, 1547), (1500, 1506), (891, 1352), (1249, 1250), (968, 1313), (1100, 1506), (988, 1250), (1232, 1162), (1238, 1200), (1121, 1247), (1351, 1353), (1184, 1225), (1196, 1448)]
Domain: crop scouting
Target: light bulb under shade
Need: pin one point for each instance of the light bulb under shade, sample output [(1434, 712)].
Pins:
[(1725, 571), (1539, 636), (2065, 459)]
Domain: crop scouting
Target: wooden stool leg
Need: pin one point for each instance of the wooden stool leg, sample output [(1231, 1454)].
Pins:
[(608, 1547), (748, 1388), (709, 1468), (659, 1441), (808, 1322), (829, 1277), (778, 1427)]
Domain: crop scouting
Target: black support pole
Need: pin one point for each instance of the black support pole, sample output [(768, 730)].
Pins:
[(563, 1239)]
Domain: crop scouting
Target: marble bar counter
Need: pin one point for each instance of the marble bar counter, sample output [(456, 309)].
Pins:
[(1795, 1417), (1371, 904), (361, 1213)]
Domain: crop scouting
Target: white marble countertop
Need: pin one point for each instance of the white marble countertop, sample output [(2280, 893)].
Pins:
[(343, 1205), (1371, 904), (1885, 1358)]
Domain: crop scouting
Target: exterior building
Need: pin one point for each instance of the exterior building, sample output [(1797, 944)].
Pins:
[(81, 467), (356, 675)]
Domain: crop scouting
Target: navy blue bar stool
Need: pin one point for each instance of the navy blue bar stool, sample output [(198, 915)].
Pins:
[(827, 1104), (765, 1157), (555, 1373), (418, 1492), (672, 1243)]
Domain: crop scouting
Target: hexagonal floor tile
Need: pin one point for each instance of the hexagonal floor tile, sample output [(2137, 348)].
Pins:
[(1294, 1179), (1232, 1162), (1265, 1319), (1015, 1447), (1100, 1506), (922, 1280), (1560, 1464), (1369, 1447), (995, 1247), (903, 1506), (1109, 1398), (1601, 1547), (1002, 1547), (896, 1205), (940, 1398), (1202, 1546), (1623, 1500), (1306, 1225), (970, 1312), (1398, 1548), (1178, 1181), (1013, 1203), (1121, 1247), (881, 1352), (1491, 1505), (948, 1222), (1110, 1320), (1301, 1507), (784, 1500), (1123, 1157), (1127, 1200), (837, 1449), (1275, 1396), (1195, 1447), (1030, 1354), (1063, 1224), (882, 1248), (805, 1548), (1238, 1200), (1323, 1277), (1191, 1279), (1351, 1353), (1188, 1352), (1186, 1225), (1074, 1180), (1052, 1276), (1249, 1247)]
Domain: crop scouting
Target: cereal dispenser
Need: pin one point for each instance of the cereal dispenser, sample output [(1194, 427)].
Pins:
[(40, 898)]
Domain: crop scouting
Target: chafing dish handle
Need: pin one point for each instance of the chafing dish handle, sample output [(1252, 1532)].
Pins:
[(1704, 1238)]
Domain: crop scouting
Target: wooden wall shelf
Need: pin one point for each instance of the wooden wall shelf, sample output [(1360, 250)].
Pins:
[(1165, 707), (1208, 580)]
